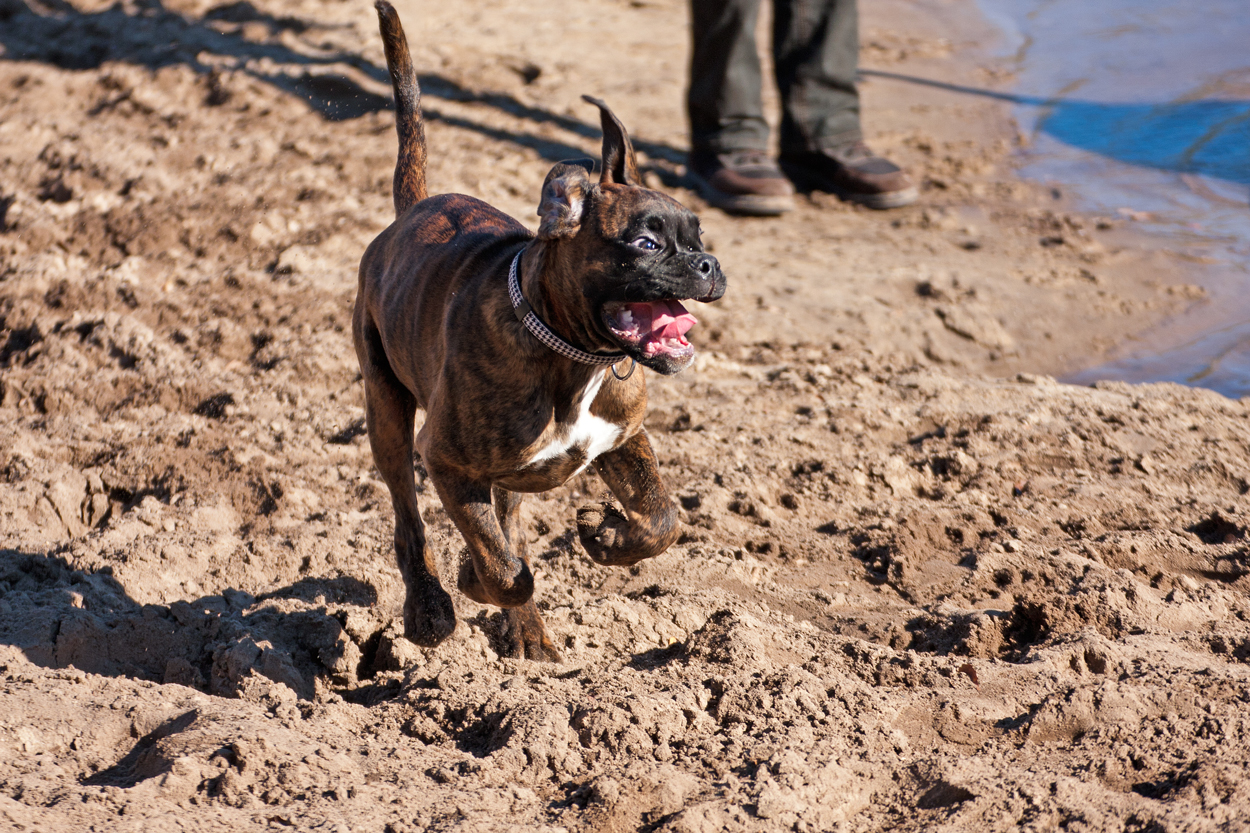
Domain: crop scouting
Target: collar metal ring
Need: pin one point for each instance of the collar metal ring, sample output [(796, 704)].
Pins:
[(632, 365)]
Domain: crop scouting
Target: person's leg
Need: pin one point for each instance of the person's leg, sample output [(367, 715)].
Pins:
[(816, 47), (726, 112), (728, 133), (816, 52)]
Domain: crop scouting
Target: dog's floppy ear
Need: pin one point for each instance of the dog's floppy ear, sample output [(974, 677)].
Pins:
[(619, 163), (564, 189)]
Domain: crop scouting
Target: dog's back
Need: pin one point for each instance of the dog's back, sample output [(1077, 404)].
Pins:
[(415, 288)]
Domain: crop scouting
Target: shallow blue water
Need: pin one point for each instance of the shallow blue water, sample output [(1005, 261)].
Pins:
[(1142, 108)]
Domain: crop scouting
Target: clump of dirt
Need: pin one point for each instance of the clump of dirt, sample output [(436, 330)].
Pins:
[(919, 585)]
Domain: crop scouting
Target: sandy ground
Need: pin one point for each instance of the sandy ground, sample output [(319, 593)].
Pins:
[(920, 585)]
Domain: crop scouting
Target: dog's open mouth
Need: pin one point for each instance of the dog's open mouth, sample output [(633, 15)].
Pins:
[(657, 328)]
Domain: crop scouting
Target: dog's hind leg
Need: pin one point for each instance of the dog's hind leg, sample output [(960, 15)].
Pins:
[(649, 525), (390, 411)]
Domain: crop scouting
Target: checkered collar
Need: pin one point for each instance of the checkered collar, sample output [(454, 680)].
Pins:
[(526, 315)]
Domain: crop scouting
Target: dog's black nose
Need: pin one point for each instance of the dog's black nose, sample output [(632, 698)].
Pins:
[(705, 265), (708, 270)]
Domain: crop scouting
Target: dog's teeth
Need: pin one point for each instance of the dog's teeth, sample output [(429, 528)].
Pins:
[(627, 318)]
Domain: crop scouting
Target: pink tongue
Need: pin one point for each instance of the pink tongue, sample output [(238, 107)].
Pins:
[(669, 319)]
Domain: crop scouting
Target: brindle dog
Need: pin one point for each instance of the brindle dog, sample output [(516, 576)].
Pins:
[(513, 404)]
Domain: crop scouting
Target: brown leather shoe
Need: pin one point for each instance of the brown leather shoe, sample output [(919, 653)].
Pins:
[(854, 173), (742, 182)]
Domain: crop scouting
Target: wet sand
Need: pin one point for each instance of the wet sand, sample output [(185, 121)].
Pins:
[(1139, 110)]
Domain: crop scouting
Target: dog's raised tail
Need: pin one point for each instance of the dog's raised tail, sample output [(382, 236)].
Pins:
[(409, 187)]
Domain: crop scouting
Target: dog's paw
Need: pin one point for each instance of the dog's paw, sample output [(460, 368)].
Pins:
[(429, 616), (510, 592), (602, 529), (518, 592), (469, 584), (514, 591), (525, 635)]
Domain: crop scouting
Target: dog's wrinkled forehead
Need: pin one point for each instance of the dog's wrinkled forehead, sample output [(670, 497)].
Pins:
[(620, 209)]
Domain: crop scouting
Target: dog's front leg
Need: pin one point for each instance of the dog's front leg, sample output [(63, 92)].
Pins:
[(502, 578), (649, 525), (525, 634)]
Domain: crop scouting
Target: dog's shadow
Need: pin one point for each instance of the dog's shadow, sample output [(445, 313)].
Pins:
[(339, 85), (60, 616)]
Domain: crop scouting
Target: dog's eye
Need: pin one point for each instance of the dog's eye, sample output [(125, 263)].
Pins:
[(645, 242)]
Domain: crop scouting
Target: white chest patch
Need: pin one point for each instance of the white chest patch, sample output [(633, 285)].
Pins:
[(589, 432)]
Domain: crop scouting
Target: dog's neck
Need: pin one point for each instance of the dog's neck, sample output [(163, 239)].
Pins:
[(543, 274), (530, 272)]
